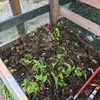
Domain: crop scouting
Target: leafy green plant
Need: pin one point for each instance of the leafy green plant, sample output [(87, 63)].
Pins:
[(62, 47), (25, 60), (12, 48), (69, 69), (76, 71), (27, 56), (79, 72), (41, 78), (76, 44), (78, 54), (59, 80), (44, 38), (39, 65), (54, 63), (6, 61), (7, 95), (93, 60), (60, 56), (56, 34), (30, 86)]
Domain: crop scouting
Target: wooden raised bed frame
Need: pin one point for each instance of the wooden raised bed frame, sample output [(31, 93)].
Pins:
[(56, 9), (19, 19)]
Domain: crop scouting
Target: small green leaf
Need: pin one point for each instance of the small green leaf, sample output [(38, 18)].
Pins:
[(69, 68), (59, 56), (78, 54), (63, 48), (12, 48), (44, 38), (93, 61), (55, 79), (78, 71), (85, 75), (30, 86), (55, 35), (76, 44), (6, 61)]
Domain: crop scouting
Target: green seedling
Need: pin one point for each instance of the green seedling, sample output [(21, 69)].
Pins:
[(39, 65), (25, 60), (76, 71), (77, 34), (12, 48), (76, 44), (54, 63), (78, 54), (79, 72), (60, 56), (4, 91), (6, 61), (27, 56), (63, 48), (30, 86), (44, 38), (55, 35), (93, 61), (41, 78), (69, 69), (59, 80)]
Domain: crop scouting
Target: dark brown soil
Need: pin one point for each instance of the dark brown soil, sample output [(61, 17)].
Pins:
[(39, 44)]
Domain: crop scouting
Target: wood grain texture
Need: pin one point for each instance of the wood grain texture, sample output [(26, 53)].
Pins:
[(16, 9), (88, 25), (54, 9), (15, 6), (94, 3)]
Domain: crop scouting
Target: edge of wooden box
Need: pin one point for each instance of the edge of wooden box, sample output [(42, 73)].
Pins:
[(11, 83)]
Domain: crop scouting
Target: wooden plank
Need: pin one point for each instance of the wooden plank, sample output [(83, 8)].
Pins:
[(16, 9), (54, 9), (10, 83), (94, 3), (88, 25), (15, 20), (15, 6)]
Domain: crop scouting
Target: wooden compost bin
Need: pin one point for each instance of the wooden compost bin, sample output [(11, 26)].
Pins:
[(55, 7)]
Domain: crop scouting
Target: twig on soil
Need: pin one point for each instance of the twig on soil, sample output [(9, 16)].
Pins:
[(90, 69)]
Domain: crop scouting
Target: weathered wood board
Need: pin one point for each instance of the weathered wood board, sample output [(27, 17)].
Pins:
[(54, 9), (81, 21), (20, 18), (94, 3)]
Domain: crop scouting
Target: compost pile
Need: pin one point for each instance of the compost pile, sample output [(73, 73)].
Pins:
[(52, 63)]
